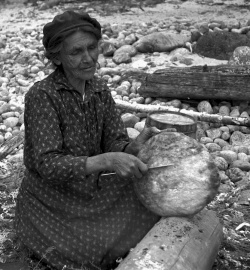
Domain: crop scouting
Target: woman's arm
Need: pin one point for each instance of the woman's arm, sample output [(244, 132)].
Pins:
[(44, 144), (44, 152)]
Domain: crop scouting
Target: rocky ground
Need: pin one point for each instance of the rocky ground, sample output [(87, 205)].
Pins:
[(22, 64)]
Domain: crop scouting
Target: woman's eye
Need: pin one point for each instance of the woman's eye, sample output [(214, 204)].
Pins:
[(75, 52), (92, 47)]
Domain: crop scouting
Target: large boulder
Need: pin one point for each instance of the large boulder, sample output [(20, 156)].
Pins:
[(160, 42), (220, 45), (185, 187)]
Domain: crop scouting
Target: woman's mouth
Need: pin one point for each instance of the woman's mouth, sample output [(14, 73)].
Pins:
[(88, 68)]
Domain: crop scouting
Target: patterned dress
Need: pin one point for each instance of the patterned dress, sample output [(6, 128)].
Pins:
[(63, 215)]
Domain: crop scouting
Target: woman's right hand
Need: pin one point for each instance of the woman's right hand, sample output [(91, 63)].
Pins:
[(126, 165)]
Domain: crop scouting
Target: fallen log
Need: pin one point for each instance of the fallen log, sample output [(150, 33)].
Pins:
[(200, 116), (178, 244), (221, 82)]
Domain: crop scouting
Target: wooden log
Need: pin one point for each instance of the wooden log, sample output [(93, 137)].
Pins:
[(178, 244), (198, 82), (200, 116)]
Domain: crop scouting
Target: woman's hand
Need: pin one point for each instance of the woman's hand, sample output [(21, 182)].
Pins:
[(125, 165), (135, 146), (148, 132)]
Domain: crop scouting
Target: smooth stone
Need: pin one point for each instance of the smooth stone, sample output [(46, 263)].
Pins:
[(10, 122), (8, 114), (130, 39), (132, 133), (243, 165), (130, 120), (139, 126), (8, 135), (229, 155), (122, 58)]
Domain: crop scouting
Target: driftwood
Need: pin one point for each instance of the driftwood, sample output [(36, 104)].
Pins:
[(9, 145), (178, 244), (200, 116), (221, 82)]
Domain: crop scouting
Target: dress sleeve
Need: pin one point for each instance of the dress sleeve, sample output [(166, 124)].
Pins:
[(44, 141), (115, 136)]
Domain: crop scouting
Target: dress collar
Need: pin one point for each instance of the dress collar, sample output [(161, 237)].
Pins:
[(61, 82)]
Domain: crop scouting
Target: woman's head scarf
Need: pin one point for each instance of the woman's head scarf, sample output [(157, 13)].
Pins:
[(66, 23)]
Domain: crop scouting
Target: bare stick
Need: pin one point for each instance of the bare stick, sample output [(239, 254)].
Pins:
[(200, 116)]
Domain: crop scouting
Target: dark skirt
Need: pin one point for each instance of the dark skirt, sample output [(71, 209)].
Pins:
[(73, 231)]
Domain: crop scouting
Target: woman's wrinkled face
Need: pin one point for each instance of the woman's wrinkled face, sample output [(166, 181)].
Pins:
[(79, 55)]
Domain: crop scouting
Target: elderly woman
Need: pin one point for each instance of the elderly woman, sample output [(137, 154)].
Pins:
[(67, 214)]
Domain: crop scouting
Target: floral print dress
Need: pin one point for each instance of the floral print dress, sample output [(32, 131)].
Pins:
[(83, 220)]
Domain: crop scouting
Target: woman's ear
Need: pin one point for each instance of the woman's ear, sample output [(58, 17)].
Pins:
[(100, 46), (57, 61)]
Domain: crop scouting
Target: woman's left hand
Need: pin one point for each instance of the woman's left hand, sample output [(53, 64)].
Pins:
[(146, 134), (135, 146)]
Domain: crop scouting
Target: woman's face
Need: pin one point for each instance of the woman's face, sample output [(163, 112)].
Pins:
[(79, 55)]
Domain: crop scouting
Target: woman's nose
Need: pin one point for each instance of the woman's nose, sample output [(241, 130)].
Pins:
[(86, 57)]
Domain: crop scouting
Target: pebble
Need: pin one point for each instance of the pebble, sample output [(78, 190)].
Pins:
[(10, 122)]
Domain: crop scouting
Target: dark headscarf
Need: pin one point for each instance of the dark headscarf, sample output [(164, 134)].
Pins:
[(66, 23)]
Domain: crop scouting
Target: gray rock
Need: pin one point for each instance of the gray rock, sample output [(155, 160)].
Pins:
[(122, 58), (102, 61), (4, 56), (243, 165), (229, 155), (21, 70), (8, 114), (213, 133), (241, 56), (124, 54), (130, 39), (233, 24), (195, 35), (140, 126), (107, 48), (186, 61), (235, 174), (10, 122), (204, 28), (5, 108), (224, 188), (132, 133), (244, 197), (126, 49), (160, 42), (130, 120), (109, 71), (25, 56), (220, 45)]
